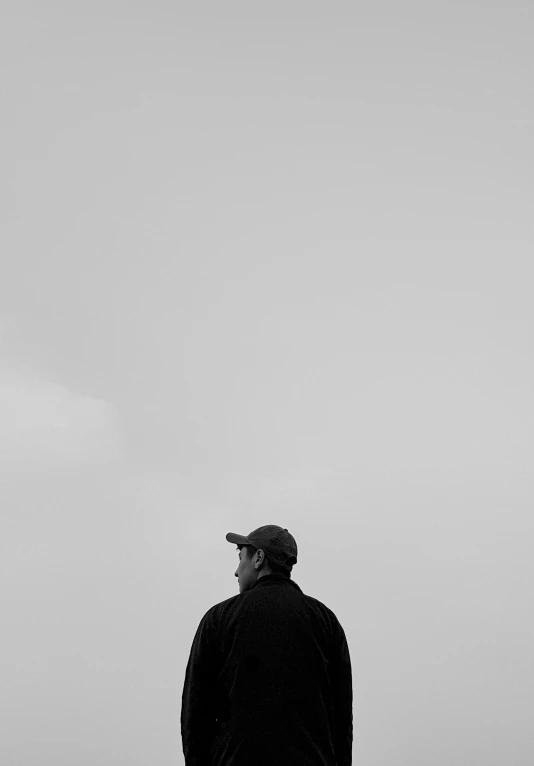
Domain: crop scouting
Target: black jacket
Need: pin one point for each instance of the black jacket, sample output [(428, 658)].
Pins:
[(268, 681)]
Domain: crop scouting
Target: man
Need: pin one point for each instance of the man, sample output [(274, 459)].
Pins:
[(269, 679)]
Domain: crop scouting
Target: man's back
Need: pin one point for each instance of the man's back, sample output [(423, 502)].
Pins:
[(269, 682)]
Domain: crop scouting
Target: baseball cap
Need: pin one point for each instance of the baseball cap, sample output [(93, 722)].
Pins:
[(279, 545)]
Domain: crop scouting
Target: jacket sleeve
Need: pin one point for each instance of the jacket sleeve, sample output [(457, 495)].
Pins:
[(198, 722), (341, 684)]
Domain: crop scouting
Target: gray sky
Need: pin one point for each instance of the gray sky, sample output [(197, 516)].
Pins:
[(266, 263)]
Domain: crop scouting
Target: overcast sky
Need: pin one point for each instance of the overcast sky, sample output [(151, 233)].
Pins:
[(266, 263)]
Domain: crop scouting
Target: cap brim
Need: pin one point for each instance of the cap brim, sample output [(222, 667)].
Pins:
[(237, 539)]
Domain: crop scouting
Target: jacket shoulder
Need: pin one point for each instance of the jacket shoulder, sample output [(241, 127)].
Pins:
[(216, 612), (322, 608), (335, 629)]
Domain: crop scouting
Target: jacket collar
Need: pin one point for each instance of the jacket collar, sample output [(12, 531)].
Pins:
[(274, 579)]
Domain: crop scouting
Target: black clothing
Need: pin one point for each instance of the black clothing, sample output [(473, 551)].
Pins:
[(268, 682)]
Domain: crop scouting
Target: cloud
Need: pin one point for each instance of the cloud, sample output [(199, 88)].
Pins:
[(45, 426)]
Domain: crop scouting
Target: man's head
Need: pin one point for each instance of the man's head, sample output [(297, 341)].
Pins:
[(252, 565), (267, 550)]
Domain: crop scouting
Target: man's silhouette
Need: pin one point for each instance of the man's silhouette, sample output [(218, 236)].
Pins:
[(269, 679)]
